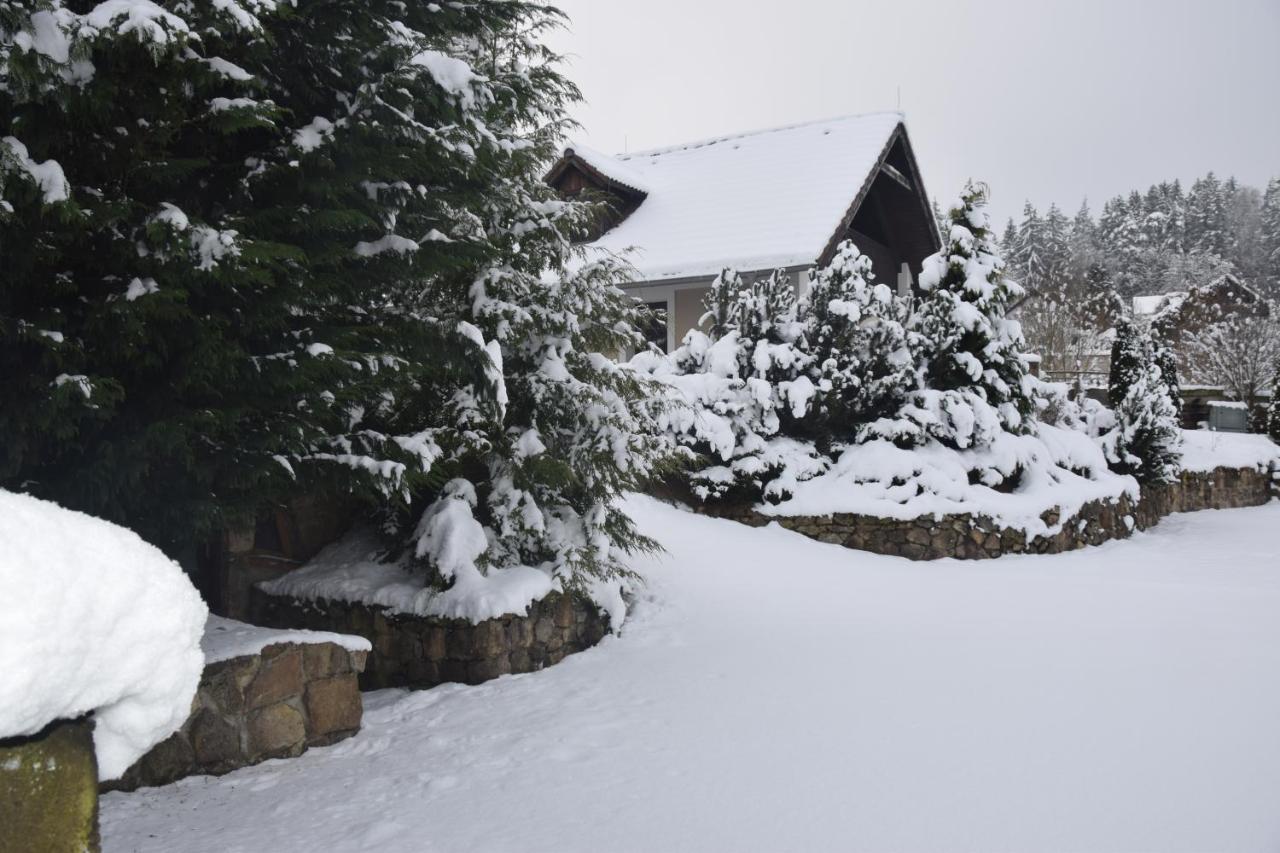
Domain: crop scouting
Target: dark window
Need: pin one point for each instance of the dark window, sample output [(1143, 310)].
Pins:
[(655, 331)]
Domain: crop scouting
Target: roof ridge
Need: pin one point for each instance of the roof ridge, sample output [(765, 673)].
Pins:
[(712, 140)]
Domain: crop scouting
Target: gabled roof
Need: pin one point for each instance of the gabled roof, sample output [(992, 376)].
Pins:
[(753, 201)]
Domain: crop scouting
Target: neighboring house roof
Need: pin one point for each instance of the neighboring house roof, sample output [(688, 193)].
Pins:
[(1157, 303), (751, 201)]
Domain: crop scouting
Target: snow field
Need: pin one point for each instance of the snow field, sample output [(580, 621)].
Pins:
[(770, 692)]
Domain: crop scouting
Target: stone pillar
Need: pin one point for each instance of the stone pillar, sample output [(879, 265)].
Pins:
[(49, 790)]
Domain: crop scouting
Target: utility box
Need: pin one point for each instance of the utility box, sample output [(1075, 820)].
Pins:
[(1228, 416)]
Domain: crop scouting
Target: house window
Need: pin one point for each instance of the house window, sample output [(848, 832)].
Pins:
[(655, 331)]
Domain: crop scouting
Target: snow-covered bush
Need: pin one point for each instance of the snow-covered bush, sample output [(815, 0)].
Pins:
[(861, 361), (852, 399), (970, 354), (740, 386), (1144, 441), (93, 619)]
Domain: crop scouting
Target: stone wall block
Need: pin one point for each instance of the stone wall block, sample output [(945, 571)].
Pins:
[(333, 706), (49, 790), (276, 731), (215, 741), (324, 660), (223, 684), (279, 678), (970, 537)]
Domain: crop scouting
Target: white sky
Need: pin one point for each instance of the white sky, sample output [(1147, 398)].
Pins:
[(1047, 101)]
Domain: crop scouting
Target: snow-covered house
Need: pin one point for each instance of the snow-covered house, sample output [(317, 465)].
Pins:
[(756, 202), (1179, 311)]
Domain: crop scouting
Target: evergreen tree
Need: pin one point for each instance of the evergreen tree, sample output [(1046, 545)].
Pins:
[(1009, 240), (1029, 250), (1206, 217), (1102, 308), (1145, 439), (971, 353), (188, 324), (347, 265), (1082, 247), (747, 383), (1269, 235), (860, 360), (1166, 361), (1056, 253), (1127, 358), (1121, 237)]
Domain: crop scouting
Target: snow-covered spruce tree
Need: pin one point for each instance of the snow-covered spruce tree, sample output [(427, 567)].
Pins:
[(436, 122), (860, 359), (1127, 359), (185, 313), (1167, 361), (970, 353), (1269, 236), (1146, 437)]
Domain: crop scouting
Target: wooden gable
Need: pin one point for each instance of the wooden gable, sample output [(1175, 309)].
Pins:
[(574, 177), (890, 220)]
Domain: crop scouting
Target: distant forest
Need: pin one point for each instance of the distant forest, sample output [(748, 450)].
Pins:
[(1154, 242), (1079, 274)]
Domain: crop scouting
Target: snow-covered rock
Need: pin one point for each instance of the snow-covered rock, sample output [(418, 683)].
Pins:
[(93, 619), (225, 639), (1204, 450)]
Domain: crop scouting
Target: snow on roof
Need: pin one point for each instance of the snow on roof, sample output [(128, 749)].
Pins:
[(753, 201), (610, 167), (1145, 306)]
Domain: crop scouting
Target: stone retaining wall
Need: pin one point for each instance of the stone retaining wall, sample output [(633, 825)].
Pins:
[(274, 704), (49, 790), (977, 537), (420, 651)]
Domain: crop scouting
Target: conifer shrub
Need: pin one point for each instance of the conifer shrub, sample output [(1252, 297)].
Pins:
[(1144, 442)]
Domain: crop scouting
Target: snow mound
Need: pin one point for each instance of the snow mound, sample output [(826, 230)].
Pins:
[(1204, 450), (225, 639), (92, 618), (354, 569), (1056, 468)]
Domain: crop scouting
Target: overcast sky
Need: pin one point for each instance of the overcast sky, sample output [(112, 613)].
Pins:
[(1046, 101)]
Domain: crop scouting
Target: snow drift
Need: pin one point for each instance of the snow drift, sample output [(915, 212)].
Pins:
[(93, 619)]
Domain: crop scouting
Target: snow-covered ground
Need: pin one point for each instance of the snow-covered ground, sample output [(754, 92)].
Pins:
[(775, 693)]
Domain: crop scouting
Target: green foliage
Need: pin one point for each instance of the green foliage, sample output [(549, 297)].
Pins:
[(191, 328), (861, 361), (1146, 437), (309, 249), (1127, 360)]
